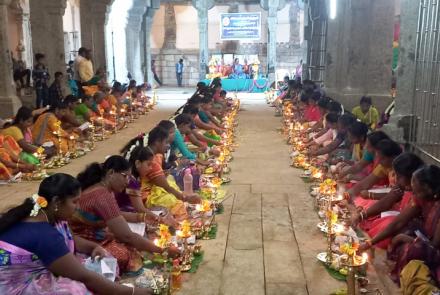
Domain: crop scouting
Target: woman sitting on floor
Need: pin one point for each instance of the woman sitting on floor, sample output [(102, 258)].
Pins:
[(414, 238), (11, 159), (338, 148), (37, 249), (365, 166), (205, 119), (197, 136), (20, 130), (323, 110), (377, 217), (324, 139), (99, 219), (312, 113), (48, 125), (357, 135), (132, 200), (387, 151), (160, 189)]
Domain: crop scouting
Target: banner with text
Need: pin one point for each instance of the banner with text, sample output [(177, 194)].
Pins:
[(240, 26)]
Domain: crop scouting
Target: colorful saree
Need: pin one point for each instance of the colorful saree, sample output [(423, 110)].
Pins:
[(377, 225), (22, 273), (158, 196), (44, 128), (95, 208), (421, 248), (415, 279)]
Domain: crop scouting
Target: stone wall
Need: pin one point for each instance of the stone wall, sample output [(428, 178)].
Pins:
[(166, 60)]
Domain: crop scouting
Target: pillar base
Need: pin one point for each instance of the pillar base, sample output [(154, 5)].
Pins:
[(9, 106)]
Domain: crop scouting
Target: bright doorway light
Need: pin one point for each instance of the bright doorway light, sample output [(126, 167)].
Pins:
[(333, 8)]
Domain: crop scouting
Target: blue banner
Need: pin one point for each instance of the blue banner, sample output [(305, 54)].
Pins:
[(240, 26)]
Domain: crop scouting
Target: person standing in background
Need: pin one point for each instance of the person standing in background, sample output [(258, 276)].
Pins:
[(179, 72), (56, 90), (153, 70), (41, 76)]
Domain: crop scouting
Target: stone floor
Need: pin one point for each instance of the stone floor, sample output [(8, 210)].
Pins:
[(267, 238)]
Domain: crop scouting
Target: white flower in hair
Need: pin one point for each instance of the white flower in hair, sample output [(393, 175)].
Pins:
[(145, 139), (128, 155), (39, 202)]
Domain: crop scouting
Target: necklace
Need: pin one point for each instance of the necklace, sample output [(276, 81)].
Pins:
[(47, 218)]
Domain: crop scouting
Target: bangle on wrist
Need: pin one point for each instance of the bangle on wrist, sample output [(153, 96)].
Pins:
[(370, 195)]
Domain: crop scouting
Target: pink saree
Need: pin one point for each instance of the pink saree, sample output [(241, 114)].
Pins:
[(22, 273)]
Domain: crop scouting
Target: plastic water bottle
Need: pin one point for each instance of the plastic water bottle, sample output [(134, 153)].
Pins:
[(176, 276), (188, 182)]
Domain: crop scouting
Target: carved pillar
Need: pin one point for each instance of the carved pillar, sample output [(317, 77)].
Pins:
[(202, 7), (24, 47), (9, 103), (170, 27), (133, 38), (93, 18), (47, 31)]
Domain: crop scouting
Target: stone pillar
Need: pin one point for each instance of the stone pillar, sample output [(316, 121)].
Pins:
[(294, 22), (272, 7), (406, 70), (272, 39), (202, 7), (133, 48), (48, 33), (24, 48), (358, 57), (93, 18), (9, 103), (170, 27), (133, 38), (148, 22)]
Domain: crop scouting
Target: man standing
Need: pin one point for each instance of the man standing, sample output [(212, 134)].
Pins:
[(81, 57), (179, 72)]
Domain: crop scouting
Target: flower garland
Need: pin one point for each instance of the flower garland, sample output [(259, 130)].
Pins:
[(259, 86)]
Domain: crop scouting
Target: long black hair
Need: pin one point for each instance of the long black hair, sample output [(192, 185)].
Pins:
[(389, 148), (95, 172), (359, 130), (429, 175), (376, 136), (23, 114), (157, 134), (166, 124), (60, 186), (138, 140), (141, 154), (405, 164)]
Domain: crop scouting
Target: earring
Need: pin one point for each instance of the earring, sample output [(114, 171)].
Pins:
[(56, 208)]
